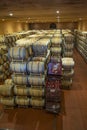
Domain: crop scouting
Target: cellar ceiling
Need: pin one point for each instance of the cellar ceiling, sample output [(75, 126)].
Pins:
[(43, 10)]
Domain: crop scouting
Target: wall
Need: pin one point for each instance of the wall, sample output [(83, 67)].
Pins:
[(10, 27), (64, 25), (82, 26), (67, 25), (38, 26)]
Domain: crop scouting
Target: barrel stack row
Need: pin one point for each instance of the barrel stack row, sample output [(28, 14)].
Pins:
[(10, 39), (7, 94), (20, 57), (38, 71), (36, 67), (7, 90), (67, 72), (53, 81), (56, 43), (67, 60), (68, 45)]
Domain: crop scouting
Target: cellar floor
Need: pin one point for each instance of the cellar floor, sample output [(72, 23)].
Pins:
[(73, 115)]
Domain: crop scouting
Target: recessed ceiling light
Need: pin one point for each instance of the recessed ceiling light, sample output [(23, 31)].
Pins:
[(10, 14), (80, 18), (57, 11)]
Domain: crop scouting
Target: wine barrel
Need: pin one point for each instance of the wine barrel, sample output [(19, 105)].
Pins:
[(6, 90), (2, 77), (6, 40), (4, 57), (23, 101), (55, 59), (5, 76), (2, 38), (37, 102), (38, 92), (18, 53), (7, 101), (68, 38), (36, 67), (8, 81), (1, 51), (20, 79), (36, 80), (21, 91), (68, 62), (25, 42), (69, 46), (6, 65), (56, 41), (66, 82), (4, 48), (7, 73), (58, 35), (68, 53), (44, 59), (41, 59), (56, 50), (41, 46), (68, 73), (18, 67), (2, 68), (1, 60)]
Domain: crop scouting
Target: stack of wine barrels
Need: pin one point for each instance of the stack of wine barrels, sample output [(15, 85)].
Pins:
[(53, 84), (27, 41), (56, 48), (67, 72), (41, 46), (68, 45), (7, 94), (4, 63), (38, 71), (19, 57), (10, 40), (2, 38)]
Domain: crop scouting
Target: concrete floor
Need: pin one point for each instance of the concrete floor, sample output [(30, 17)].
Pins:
[(73, 115)]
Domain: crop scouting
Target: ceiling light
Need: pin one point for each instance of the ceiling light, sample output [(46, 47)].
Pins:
[(29, 18), (80, 18), (57, 12), (10, 14)]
